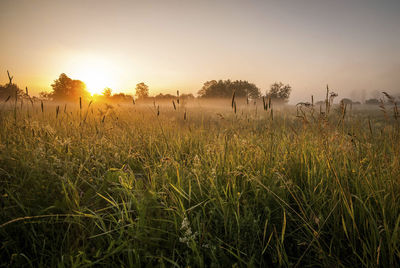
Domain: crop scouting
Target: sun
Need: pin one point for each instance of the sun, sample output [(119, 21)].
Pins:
[(97, 73), (96, 79)]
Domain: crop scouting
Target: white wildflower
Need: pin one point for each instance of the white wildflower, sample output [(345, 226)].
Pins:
[(185, 224), (188, 235)]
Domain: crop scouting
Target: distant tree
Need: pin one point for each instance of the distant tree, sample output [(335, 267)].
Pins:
[(164, 96), (187, 96), (10, 89), (121, 97), (142, 91), (208, 89), (107, 92), (45, 95), (372, 102), (107, 96), (67, 89), (279, 92), (225, 89), (346, 101), (171, 97)]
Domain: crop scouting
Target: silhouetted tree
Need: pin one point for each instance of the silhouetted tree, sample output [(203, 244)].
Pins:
[(45, 95), (279, 92), (121, 97), (372, 102), (346, 101), (142, 91), (107, 96), (225, 89), (187, 96), (65, 88), (10, 89), (164, 96), (208, 88), (107, 92)]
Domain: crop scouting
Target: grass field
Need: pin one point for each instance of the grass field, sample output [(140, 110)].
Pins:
[(148, 185)]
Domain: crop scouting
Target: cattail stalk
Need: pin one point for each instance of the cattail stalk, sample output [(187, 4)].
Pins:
[(327, 101), (264, 104), (233, 98), (10, 78), (87, 111), (80, 109)]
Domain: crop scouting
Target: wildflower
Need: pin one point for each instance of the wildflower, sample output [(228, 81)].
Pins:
[(188, 235), (185, 224)]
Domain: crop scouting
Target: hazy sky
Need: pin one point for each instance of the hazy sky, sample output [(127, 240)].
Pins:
[(353, 45)]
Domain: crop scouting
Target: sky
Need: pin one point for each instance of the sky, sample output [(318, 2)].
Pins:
[(352, 45)]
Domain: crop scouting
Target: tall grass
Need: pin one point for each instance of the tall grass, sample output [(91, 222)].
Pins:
[(215, 188)]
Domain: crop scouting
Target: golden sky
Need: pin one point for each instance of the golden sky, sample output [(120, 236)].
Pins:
[(352, 45)]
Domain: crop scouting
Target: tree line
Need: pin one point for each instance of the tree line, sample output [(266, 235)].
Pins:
[(65, 88), (243, 89)]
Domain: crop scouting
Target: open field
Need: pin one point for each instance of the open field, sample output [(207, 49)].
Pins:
[(129, 185)]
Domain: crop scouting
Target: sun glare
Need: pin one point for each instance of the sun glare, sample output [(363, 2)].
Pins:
[(96, 80), (96, 73)]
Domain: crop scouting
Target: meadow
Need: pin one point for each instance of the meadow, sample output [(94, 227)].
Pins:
[(203, 184)]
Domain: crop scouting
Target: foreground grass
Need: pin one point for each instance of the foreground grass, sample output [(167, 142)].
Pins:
[(125, 187)]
